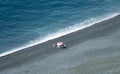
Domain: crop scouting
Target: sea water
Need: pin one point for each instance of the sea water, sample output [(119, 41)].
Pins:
[(24, 23)]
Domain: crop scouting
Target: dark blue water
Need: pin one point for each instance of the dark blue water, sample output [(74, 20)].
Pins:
[(22, 21)]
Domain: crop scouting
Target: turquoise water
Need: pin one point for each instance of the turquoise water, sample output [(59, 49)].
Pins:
[(27, 21)]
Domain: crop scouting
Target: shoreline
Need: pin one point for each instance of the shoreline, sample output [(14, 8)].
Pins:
[(45, 49), (37, 43)]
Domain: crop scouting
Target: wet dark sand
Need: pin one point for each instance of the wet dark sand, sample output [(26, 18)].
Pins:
[(93, 50)]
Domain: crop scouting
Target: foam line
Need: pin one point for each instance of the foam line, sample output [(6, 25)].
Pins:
[(76, 27)]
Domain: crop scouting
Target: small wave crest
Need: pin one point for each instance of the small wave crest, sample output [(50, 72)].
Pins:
[(64, 31)]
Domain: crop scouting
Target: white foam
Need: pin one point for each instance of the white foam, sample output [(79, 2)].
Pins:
[(62, 32)]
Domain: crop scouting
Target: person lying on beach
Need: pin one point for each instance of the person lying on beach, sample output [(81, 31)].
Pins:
[(59, 44)]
